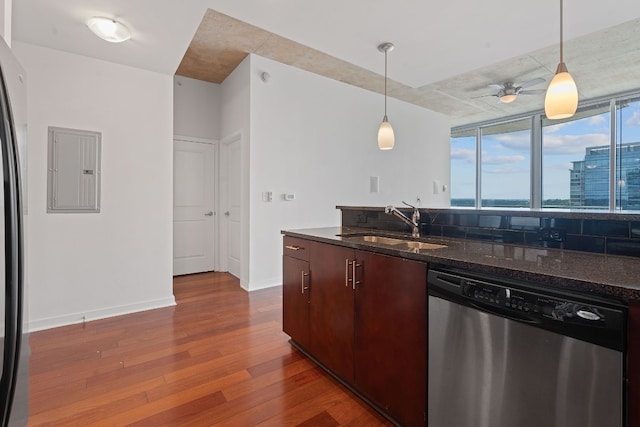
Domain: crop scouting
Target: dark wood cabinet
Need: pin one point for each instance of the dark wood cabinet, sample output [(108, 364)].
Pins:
[(296, 290), (391, 335), (331, 309), (366, 323), (633, 365)]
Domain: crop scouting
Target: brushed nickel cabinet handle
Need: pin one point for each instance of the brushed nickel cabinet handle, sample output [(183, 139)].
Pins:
[(302, 286), (353, 266), (293, 248), (346, 272)]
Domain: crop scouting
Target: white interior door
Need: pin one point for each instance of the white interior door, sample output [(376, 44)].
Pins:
[(193, 207), (230, 179)]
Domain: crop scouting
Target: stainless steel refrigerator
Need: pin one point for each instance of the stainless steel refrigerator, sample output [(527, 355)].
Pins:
[(14, 380)]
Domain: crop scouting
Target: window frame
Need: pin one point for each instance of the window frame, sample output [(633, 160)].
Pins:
[(536, 155)]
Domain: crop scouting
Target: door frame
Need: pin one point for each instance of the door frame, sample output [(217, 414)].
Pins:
[(216, 191)]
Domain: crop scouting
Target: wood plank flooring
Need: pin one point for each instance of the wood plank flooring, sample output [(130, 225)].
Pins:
[(218, 358)]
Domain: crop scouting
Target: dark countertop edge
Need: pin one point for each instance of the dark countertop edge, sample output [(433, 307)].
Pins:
[(556, 213), (621, 292)]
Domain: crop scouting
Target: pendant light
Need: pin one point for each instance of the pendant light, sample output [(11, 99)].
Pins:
[(386, 138), (561, 100)]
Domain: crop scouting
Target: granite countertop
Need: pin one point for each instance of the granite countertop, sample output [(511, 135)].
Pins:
[(554, 212), (604, 275)]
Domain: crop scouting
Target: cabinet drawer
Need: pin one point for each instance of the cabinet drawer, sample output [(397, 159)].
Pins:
[(296, 248)]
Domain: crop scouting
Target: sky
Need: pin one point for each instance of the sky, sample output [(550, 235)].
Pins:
[(506, 157)]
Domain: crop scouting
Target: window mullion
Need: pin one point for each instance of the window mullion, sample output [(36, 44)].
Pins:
[(478, 167), (536, 162), (613, 182)]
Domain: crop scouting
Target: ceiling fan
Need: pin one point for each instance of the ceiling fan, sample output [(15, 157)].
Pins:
[(509, 91)]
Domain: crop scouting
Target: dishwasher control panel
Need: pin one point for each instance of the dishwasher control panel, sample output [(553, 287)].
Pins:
[(530, 303), (585, 317)]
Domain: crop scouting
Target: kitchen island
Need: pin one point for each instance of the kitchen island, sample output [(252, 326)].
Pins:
[(612, 276)]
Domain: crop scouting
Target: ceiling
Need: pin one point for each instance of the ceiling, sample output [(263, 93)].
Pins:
[(445, 57)]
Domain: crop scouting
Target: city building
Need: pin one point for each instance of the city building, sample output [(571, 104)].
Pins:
[(590, 177)]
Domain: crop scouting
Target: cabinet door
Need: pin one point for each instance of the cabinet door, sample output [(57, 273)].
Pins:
[(391, 335), (331, 309), (295, 300), (633, 364)]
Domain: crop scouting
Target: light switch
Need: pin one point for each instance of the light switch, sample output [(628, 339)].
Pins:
[(436, 186)]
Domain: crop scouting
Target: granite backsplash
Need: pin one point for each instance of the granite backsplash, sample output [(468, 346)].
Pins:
[(606, 233)]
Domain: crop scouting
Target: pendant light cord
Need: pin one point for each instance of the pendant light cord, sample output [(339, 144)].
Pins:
[(385, 82), (561, 47)]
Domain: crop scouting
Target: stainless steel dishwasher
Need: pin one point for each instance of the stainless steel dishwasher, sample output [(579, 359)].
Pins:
[(510, 354)]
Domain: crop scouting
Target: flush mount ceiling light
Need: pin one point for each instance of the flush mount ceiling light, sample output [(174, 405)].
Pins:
[(109, 29), (386, 139), (561, 100)]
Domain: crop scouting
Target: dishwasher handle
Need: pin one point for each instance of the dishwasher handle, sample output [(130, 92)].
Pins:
[(507, 314)]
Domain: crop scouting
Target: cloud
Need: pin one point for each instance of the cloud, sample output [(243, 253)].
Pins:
[(634, 120), (510, 169), (500, 160), (519, 141), (572, 144), (463, 154), (563, 166), (596, 120), (555, 128)]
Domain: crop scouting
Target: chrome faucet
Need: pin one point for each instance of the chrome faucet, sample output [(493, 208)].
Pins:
[(414, 222)]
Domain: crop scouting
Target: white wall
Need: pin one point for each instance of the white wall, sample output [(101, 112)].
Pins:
[(316, 138), (196, 108), (117, 261), (6, 7), (235, 119)]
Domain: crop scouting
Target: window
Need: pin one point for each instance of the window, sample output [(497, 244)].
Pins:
[(463, 167), (628, 154), (575, 160), (506, 164), (577, 163)]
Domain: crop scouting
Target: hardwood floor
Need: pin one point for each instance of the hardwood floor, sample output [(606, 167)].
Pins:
[(219, 357)]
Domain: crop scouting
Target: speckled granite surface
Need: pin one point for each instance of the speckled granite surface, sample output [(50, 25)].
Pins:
[(600, 274), (599, 214)]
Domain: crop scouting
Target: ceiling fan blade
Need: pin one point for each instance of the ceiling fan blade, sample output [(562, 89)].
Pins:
[(483, 96), (496, 86), (531, 92), (532, 82)]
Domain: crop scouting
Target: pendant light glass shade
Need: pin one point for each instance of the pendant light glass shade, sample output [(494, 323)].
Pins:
[(561, 99), (386, 139), (109, 29)]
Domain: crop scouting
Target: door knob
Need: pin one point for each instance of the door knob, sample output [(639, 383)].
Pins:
[(210, 213), (227, 213)]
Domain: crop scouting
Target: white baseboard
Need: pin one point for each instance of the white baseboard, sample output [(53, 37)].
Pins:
[(72, 319), (263, 284)]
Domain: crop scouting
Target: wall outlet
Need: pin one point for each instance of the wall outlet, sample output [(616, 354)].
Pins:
[(374, 184)]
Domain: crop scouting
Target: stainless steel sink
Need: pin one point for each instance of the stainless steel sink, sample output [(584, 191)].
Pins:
[(392, 241), (423, 245), (382, 240)]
